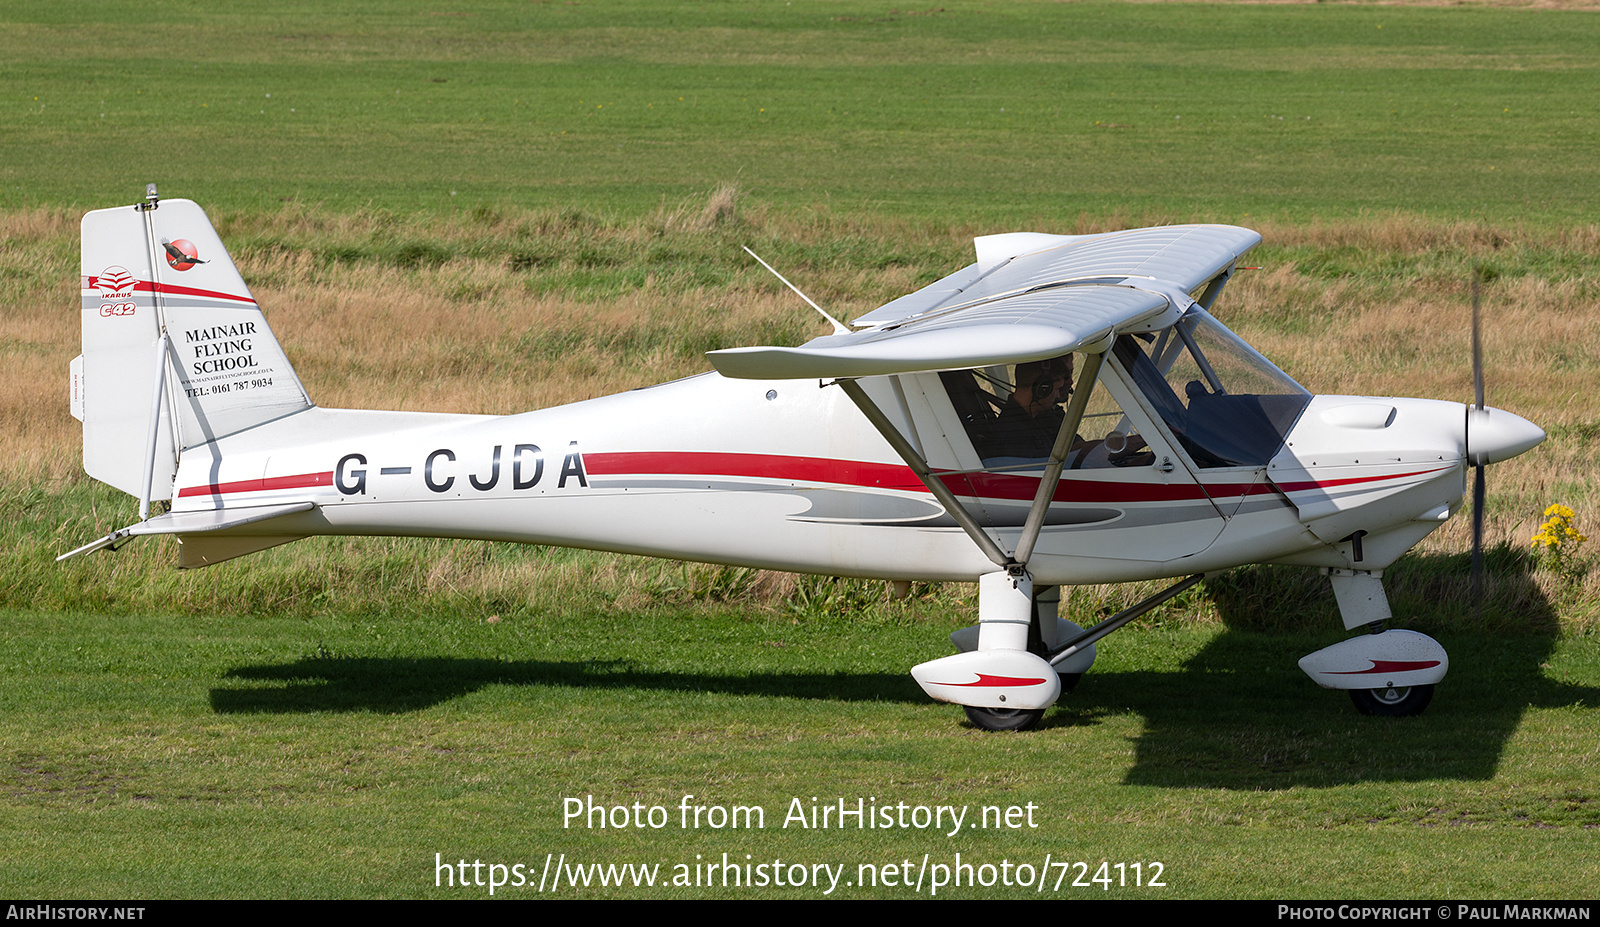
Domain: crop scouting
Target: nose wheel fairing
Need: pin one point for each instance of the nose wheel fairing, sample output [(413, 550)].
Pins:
[(1387, 672), (1003, 672), (1393, 659)]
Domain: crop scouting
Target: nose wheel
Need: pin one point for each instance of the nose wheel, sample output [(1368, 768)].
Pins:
[(1392, 701), (1004, 719)]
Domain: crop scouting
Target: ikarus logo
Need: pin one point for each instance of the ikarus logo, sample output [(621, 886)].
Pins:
[(116, 291), (115, 283)]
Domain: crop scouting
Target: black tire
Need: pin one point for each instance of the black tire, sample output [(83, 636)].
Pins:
[(1069, 681), (1004, 719), (1392, 701)]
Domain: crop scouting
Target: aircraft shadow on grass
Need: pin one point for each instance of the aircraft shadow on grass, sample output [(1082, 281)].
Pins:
[(393, 685), (1238, 714)]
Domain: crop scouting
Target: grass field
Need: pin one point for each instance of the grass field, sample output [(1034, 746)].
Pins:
[(554, 195), (335, 756), (967, 112)]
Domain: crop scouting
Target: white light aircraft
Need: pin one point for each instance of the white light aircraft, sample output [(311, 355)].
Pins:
[(1066, 410)]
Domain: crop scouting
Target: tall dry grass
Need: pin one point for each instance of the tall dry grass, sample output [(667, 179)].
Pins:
[(38, 337), (503, 310)]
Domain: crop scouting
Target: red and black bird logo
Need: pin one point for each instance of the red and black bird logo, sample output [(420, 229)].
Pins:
[(181, 254)]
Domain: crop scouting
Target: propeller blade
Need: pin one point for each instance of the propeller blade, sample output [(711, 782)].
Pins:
[(1477, 342), (1478, 490), (1477, 537)]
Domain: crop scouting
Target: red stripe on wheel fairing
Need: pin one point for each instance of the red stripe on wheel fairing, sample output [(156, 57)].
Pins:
[(992, 682), (1389, 666)]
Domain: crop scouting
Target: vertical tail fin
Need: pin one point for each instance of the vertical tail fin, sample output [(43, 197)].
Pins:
[(176, 353)]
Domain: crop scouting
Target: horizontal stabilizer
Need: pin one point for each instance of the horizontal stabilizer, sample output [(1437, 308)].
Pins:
[(193, 523), (218, 519)]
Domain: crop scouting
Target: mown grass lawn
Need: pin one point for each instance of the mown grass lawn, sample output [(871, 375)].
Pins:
[(970, 112), (331, 757)]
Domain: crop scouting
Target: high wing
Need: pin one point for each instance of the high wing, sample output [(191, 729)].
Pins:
[(1028, 297)]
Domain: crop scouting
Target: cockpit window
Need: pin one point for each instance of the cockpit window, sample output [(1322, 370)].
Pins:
[(1226, 404), (1013, 414)]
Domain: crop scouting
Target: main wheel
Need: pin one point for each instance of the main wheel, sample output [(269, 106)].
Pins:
[(1004, 719), (1392, 701)]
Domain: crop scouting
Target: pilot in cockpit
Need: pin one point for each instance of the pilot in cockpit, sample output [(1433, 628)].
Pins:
[(1031, 418), (1025, 431)]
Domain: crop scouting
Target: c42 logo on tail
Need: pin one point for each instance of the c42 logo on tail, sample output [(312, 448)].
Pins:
[(116, 291), (520, 467)]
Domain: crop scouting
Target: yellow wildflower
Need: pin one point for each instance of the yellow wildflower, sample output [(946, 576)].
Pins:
[(1558, 540)]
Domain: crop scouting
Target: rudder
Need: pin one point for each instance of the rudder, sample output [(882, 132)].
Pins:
[(162, 301)]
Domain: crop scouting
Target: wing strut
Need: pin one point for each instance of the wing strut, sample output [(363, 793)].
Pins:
[(919, 466), (1214, 288), (1047, 484), (1088, 638), (1058, 455)]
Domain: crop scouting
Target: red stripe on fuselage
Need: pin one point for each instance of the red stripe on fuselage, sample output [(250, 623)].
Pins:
[(1324, 484), (300, 481), (850, 473), (900, 477), (875, 475), (763, 466)]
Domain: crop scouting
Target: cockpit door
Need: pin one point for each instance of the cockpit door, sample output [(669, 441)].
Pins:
[(1127, 496)]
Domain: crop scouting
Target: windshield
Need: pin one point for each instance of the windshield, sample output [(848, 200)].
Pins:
[(1226, 404)]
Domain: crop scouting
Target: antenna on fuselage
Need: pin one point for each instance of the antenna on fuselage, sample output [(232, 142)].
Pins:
[(839, 328)]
